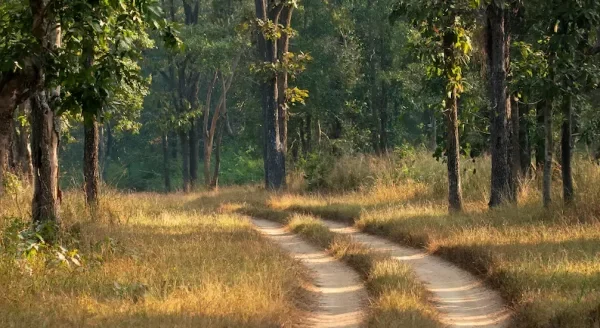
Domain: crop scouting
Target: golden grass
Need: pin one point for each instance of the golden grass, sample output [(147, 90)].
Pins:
[(152, 261), (397, 298), (546, 263)]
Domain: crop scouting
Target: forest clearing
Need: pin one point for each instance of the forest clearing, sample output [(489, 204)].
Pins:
[(300, 163)]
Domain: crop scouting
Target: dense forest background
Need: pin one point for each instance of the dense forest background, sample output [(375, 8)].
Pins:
[(371, 85)]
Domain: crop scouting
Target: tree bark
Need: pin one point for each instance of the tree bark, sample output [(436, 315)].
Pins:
[(549, 149), (515, 151), (566, 150), (497, 50), (215, 179), (455, 200), (10, 90), (283, 49), (185, 158), (91, 168), (194, 156), (540, 150), (274, 154), (524, 146), (45, 122), (166, 165)]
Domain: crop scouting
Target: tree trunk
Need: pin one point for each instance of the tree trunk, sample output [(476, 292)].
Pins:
[(91, 169), (497, 50), (566, 150), (45, 123), (524, 146), (540, 146), (108, 150), (194, 157), (185, 158), (9, 94), (45, 138), (515, 151), (215, 180), (455, 200), (282, 101), (549, 148), (166, 165), (274, 152)]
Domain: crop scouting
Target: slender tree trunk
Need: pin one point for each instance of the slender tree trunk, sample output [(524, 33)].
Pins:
[(497, 50), (433, 132), (194, 157), (9, 94), (566, 150), (91, 168), (207, 164), (166, 165), (5, 146), (455, 200), (185, 158), (524, 146), (217, 169), (549, 149), (282, 101), (540, 150), (515, 151)]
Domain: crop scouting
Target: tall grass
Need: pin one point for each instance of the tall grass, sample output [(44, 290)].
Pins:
[(544, 261), (148, 260)]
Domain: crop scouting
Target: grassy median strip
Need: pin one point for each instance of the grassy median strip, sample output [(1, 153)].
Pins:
[(398, 299)]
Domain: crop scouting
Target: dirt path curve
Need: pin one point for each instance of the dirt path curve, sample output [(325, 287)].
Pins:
[(342, 294), (461, 299)]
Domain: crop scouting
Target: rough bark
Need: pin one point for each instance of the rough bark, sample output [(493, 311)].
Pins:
[(91, 168), (497, 50), (455, 200), (566, 150), (275, 175), (45, 123), (548, 154), (166, 164)]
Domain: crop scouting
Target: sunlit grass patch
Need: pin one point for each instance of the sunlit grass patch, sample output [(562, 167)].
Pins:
[(150, 260), (545, 262)]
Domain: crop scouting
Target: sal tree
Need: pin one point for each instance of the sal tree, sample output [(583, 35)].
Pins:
[(67, 56), (444, 28)]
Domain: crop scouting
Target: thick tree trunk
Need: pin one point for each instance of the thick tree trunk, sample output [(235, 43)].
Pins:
[(497, 48), (566, 150), (455, 200), (166, 165), (185, 158), (91, 168), (45, 123), (45, 139), (275, 174), (548, 152)]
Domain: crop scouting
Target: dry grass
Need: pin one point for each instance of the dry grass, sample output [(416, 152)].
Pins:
[(397, 298), (546, 263), (151, 261)]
